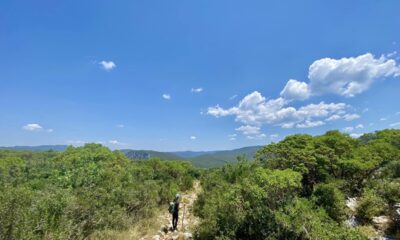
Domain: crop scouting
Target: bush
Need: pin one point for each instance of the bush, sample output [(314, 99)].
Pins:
[(369, 205)]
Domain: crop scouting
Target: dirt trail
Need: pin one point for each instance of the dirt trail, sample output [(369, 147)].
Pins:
[(186, 219)]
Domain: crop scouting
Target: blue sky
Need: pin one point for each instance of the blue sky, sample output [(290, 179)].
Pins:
[(197, 75)]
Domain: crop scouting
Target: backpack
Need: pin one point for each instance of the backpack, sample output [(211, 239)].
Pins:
[(171, 208)]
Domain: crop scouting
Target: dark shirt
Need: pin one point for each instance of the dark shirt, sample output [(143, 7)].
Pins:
[(176, 208)]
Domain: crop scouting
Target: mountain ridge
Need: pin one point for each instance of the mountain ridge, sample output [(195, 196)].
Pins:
[(203, 159)]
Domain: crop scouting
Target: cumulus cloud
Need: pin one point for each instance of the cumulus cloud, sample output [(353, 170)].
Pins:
[(193, 137), (248, 130), (295, 90), (32, 127), (351, 117), (255, 110), (345, 76), (349, 76), (107, 65), (257, 136), (196, 90), (333, 118), (166, 96), (114, 142), (309, 124)]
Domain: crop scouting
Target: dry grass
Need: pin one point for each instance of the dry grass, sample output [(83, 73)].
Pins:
[(138, 230)]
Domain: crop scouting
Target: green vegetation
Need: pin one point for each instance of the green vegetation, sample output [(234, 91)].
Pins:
[(73, 194), (296, 189)]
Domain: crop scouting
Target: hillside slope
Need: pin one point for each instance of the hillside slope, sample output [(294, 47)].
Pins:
[(220, 158), (148, 154)]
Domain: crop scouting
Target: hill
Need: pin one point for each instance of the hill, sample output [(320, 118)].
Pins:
[(219, 158), (204, 159), (148, 154)]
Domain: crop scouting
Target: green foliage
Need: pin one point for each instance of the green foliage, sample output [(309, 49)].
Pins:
[(302, 220), (332, 200), (296, 189), (72, 194), (370, 205)]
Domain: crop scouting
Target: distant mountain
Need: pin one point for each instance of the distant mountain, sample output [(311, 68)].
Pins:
[(192, 154), (219, 158), (205, 159), (147, 154), (37, 148)]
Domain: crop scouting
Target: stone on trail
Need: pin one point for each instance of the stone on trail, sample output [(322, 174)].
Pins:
[(156, 237), (187, 236), (165, 228)]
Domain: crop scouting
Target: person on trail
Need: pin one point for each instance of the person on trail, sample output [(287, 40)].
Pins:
[(175, 212)]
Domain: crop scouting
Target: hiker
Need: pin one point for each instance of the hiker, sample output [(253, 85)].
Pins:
[(174, 210)]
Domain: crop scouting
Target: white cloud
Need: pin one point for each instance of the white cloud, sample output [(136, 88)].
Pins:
[(333, 118), (255, 110), (32, 127), (166, 96), (346, 76), (233, 97), (196, 90), (309, 124), (248, 130), (396, 124), (295, 90), (356, 135), (392, 54), (50, 130), (107, 65), (193, 137), (257, 136), (217, 111), (232, 137), (360, 126), (348, 129), (114, 142), (287, 125), (351, 117), (120, 125), (383, 119), (349, 76)]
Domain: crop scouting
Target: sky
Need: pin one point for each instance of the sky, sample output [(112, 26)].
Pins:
[(195, 75)]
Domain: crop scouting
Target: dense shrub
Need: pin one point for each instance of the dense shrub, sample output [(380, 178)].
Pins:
[(70, 195), (296, 188)]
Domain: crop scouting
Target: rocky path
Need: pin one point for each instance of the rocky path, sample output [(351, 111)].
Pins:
[(186, 219)]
